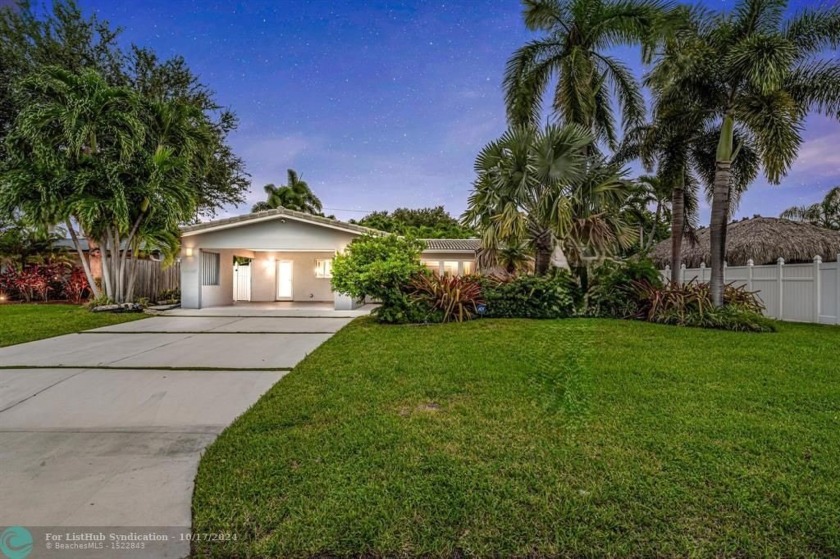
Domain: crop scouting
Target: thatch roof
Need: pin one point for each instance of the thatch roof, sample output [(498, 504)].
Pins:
[(762, 239)]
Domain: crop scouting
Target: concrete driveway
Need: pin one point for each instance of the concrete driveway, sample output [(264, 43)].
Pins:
[(105, 428)]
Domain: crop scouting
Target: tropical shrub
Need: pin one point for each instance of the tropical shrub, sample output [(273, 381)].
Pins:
[(690, 304), (33, 283), (450, 298), (75, 286), (381, 267), (612, 288), (529, 296)]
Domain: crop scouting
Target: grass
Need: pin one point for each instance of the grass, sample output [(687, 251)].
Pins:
[(575, 438), (29, 322)]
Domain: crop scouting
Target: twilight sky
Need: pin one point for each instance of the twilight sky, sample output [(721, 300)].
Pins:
[(380, 103)]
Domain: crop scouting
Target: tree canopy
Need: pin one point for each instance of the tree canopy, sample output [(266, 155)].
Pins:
[(295, 195), (423, 223), (118, 146)]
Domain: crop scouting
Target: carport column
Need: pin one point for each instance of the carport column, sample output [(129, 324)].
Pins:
[(190, 278)]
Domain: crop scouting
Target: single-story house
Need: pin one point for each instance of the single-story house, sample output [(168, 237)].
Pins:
[(284, 255)]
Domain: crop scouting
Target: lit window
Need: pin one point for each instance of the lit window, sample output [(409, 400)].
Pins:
[(433, 265), (450, 268), (323, 268), (469, 268)]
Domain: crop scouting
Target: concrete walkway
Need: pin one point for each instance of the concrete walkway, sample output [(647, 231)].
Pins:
[(105, 428)]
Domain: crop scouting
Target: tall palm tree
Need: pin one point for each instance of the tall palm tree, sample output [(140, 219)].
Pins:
[(648, 190), (681, 150), (538, 188), (755, 73), (296, 195), (825, 213), (574, 51)]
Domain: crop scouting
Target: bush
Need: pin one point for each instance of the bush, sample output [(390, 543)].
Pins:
[(529, 296), (612, 292), (170, 295), (448, 297), (690, 304), (75, 286), (381, 267)]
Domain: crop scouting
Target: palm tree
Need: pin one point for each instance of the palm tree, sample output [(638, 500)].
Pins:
[(825, 213), (67, 144), (755, 74), (87, 154), (538, 188), (648, 190), (578, 34), (681, 151), (296, 195)]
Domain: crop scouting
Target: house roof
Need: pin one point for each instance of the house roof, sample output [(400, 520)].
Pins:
[(443, 245), (762, 239), (278, 213), (461, 245)]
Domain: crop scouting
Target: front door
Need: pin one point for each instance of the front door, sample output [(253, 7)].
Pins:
[(284, 279)]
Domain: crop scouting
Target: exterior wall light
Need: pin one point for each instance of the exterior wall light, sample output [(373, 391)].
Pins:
[(188, 251)]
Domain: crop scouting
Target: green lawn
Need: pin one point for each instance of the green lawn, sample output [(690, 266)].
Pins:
[(27, 322), (576, 438)]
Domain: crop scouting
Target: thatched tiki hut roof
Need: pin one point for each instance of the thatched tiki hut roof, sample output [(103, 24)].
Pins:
[(762, 239)]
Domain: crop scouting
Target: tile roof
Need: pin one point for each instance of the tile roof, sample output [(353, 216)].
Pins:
[(279, 212), (453, 244)]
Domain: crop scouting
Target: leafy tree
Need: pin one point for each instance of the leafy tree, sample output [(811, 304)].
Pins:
[(574, 51), (825, 213), (380, 267), (21, 245), (147, 144), (296, 195), (84, 152), (756, 74), (538, 188), (423, 223)]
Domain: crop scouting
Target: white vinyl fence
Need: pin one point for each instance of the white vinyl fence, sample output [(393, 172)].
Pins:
[(795, 292)]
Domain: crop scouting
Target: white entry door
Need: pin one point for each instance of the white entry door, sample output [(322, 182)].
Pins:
[(284, 279)]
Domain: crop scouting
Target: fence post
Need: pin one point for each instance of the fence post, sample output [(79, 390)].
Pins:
[(667, 273), (702, 272), (817, 287), (750, 265), (837, 291), (725, 266), (682, 274), (780, 264)]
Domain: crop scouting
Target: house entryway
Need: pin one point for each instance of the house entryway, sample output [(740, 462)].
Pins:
[(285, 280)]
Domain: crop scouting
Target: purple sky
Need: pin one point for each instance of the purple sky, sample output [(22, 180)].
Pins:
[(380, 104)]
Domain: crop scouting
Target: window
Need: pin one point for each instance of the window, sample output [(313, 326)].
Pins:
[(433, 265), (468, 268), (209, 268), (450, 268), (323, 268)]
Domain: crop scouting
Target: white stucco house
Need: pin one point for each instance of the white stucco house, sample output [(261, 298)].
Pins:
[(284, 255)]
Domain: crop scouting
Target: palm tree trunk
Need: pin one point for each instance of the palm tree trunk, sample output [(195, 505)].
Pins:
[(720, 208), (720, 213), (542, 260), (677, 227), (106, 267), (652, 236), (85, 262)]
